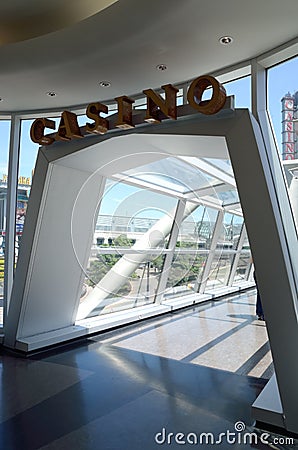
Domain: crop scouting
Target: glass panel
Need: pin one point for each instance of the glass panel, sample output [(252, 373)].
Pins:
[(283, 109), (230, 232), (243, 267), (283, 104), (220, 270), (4, 152), (205, 226), (174, 174), (186, 268), (193, 241), (83, 119), (228, 240), (241, 89), (28, 155), (222, 164), (137, 289), (130, 241), (128, 212), (229, 197)]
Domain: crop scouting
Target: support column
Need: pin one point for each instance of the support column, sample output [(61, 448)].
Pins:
[(12, 192), (273, 239)]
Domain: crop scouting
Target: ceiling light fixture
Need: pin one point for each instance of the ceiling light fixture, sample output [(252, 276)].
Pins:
[(226, 40), (105, 84), (51, 94), (161, 67), (1, 99)]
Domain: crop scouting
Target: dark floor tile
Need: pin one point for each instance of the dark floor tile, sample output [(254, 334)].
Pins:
[(127, 397)]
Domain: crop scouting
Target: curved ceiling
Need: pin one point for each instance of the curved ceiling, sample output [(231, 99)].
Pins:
[(38, 18), (124, 42)]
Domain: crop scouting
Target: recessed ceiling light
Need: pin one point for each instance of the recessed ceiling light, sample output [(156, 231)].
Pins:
[(51, 94), (161, 67), (105, 84), (226, 40), (1, 99)]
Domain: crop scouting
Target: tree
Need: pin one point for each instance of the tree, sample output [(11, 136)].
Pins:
[(101, 266)]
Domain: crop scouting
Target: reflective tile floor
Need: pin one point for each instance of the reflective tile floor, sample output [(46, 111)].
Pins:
[(184, 380), (224, 335)]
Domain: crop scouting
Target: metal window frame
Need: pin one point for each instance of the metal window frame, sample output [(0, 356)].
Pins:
[(12, 192)]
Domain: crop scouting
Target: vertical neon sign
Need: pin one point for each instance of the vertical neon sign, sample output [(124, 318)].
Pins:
[(288, 132)]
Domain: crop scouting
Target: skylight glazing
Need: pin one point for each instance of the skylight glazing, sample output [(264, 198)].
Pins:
[(173, 174)]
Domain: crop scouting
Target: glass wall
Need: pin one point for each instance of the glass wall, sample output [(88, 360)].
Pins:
[(241, 89), (129, 245), (4, 153), (192, 248), (283, 109), (220, 269), (282, 106), (226, 247), (244, 261), (143, 249), (27, 159)]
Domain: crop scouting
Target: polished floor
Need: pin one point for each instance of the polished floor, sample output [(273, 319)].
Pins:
[(224, 334), (154, 384)]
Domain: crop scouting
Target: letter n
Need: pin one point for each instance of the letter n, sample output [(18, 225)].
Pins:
[(157, 105)]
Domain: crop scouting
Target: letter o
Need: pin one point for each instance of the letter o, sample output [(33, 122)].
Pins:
[(196, 90)]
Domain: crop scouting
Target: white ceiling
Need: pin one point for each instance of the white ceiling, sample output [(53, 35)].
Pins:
[(124, 42)]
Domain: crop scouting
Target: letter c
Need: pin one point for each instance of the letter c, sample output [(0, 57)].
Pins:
[(37, 131)]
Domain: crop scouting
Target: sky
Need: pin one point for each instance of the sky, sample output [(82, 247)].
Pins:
[(281, 79)]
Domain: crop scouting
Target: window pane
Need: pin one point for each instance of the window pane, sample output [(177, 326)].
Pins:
[(174, 174), (4, 152), (241, 89), (129, 245), (243, 267), (220, 270), (185, 270), (28, 155), (226, 246), (222, 164), (232, 226), (192, 246), (137, 289), (282, 105), (283, 108)]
